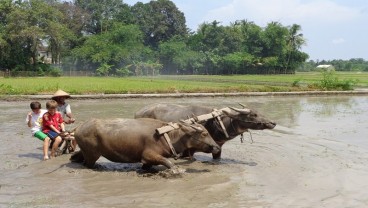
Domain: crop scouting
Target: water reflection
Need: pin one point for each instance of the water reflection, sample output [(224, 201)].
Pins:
[(329, 106)]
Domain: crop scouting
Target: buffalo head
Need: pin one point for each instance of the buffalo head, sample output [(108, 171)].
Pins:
[(199, 139), (248, 119)]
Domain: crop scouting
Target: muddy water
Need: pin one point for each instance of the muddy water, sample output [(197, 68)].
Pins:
[(316, 157)]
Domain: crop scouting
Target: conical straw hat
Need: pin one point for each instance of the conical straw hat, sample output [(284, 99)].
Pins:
[(60, 93)]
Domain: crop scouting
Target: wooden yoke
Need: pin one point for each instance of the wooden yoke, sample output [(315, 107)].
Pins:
[(214, 114), (169, 127), (163, 130)]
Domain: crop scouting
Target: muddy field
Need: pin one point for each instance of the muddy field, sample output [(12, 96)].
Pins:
[(317, 156)]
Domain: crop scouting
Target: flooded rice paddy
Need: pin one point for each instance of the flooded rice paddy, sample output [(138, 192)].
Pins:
[(317, 156)]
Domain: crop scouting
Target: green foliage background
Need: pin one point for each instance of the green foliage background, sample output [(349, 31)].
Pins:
[(88, 35)]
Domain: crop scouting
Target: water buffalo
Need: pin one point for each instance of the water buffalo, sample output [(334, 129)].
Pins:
[(234, 121), (138, 140)]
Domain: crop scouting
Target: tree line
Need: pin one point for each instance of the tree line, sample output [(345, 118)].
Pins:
[(354, 64), (112, 38)]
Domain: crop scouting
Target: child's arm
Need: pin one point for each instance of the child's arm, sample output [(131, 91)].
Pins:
[(29, 119), (62, 126), (52, 127)]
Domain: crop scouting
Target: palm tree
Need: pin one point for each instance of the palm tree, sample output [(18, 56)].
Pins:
[(295, 41)]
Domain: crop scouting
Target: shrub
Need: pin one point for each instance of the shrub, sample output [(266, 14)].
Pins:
[(54, 72), (123, 72), (104, 69), (347, 84), (331, 82), (296, 83)]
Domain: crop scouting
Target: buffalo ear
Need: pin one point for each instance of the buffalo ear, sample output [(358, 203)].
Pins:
[(187, 122), (186, 128), (198, 129), (190, 128)]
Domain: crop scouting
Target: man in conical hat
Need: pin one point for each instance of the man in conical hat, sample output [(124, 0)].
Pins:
[(64, 108)]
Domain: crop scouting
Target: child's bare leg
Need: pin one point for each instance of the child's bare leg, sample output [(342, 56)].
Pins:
[(46, 144), (55, 146), (74, 143)]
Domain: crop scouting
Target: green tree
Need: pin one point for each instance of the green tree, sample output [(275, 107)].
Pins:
[(232, 63), (159, 21), (75, 18), (33, 24), (211, 36), (6, 7), (251, 34), (120, 46), (102, 14), (231, 41), (178, 58), (190, 62), (295, 41), (274, 41), (168, 51)]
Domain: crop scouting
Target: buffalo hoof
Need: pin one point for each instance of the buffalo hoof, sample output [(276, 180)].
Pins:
[(213, 162), (77, 157), (149, 171)]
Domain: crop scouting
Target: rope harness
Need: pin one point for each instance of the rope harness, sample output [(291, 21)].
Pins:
[(242, 134), (170, 127), (216, 114)]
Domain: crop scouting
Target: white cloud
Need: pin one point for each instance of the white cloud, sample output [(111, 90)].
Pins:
[(338, 40), (284, 11)]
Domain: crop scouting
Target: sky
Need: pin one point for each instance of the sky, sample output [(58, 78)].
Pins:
[(334, 29)]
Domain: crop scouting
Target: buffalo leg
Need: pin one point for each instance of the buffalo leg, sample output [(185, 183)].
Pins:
[(166, 162), (151, 158), (77, 157), (217, 156), (189, 153), (90, 158)]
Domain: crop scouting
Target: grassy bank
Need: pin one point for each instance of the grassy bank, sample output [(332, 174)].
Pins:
[(170, 84)]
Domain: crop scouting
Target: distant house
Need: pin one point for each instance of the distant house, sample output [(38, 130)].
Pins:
[(325, 67), (44, 54)]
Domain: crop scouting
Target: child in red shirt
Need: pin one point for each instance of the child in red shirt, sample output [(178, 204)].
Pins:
[(52, 125)]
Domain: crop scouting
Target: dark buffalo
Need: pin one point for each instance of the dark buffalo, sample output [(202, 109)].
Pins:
[(236, 121), (137, 140)]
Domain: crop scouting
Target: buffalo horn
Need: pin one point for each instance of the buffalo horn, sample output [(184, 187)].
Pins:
[(196, 128), (245, 110), (242, 105)]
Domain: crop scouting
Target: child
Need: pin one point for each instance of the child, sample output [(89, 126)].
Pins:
[(53, 125), (64, 108), (34, 121)]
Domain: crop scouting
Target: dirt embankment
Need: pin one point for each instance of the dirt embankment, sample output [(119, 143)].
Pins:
[(362, 91)]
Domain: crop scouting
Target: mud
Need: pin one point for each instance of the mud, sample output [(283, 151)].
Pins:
[(317, 156)]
